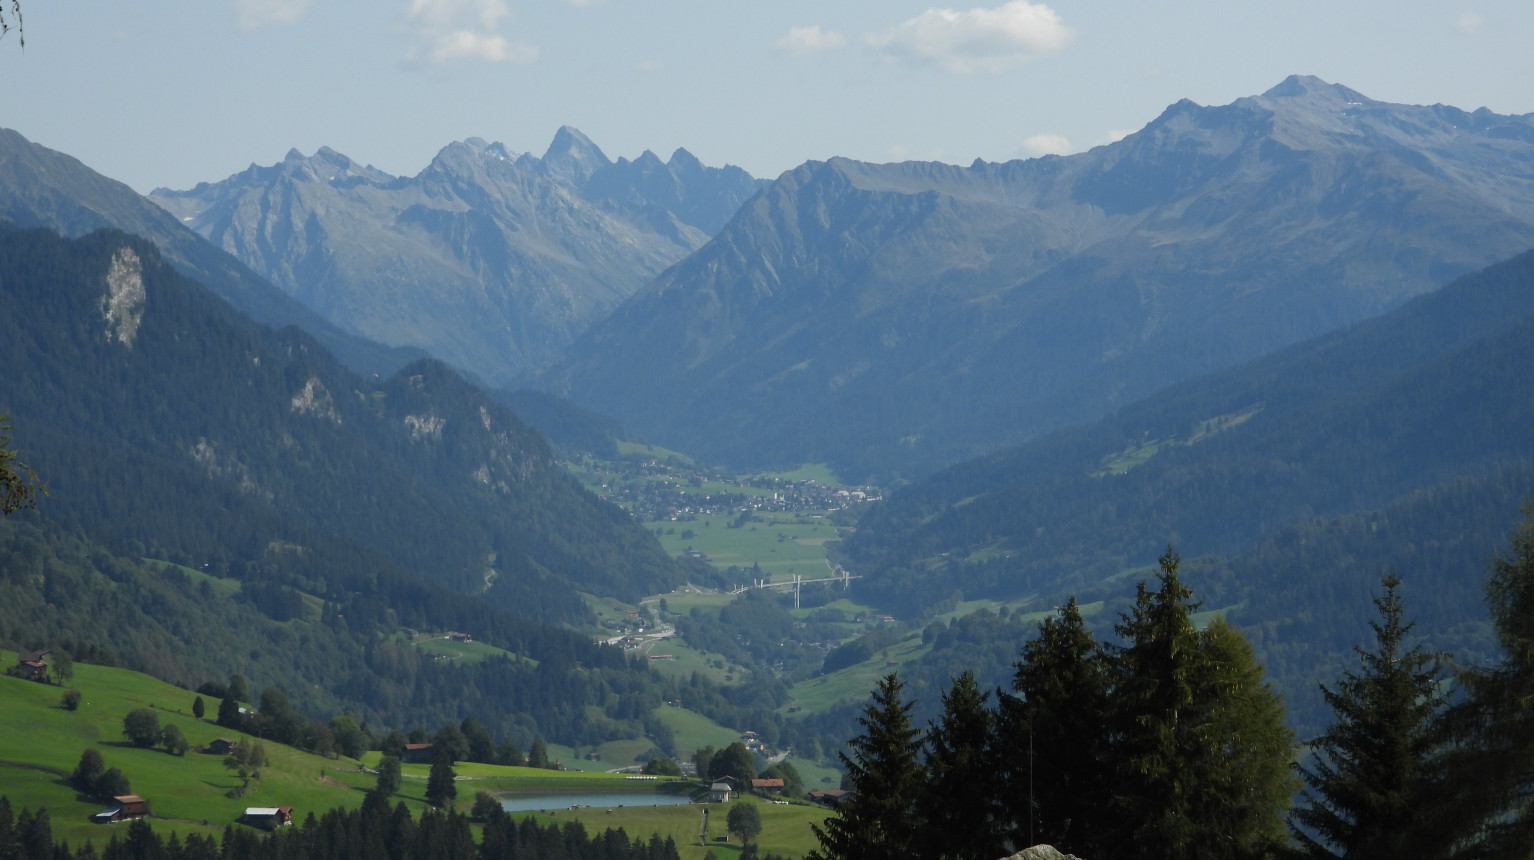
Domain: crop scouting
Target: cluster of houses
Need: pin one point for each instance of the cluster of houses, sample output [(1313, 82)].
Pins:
[(724, 788), (129, 807)]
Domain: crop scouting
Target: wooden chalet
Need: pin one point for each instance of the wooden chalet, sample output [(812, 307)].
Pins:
[(222, 746), (767, 786), (417, 754), (33, 665), (268, 816), (124, 807)]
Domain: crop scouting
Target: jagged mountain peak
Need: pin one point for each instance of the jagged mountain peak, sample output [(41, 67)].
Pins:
[(681, 159), (490, 259), (1301, 86), (494, 149), (572, 156), (997, 301)]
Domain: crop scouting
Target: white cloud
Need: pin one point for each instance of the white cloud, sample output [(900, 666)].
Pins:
[(979, 40), (808, 40), (1469, 23), (1047, 144), (462, 30), (255, 14), (468, 45)]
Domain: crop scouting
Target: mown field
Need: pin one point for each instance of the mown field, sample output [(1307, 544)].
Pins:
[(782, 544), (785, 828), (41, 743)]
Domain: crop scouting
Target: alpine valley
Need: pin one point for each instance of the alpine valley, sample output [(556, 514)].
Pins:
[(301, 422)]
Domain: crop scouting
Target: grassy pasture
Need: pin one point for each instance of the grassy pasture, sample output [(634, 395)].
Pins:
[(688, 597), (452, 649), (785, 827), (818, 472), (41, 743), (686, 659), (693, 730), (223, 587), (854, 683), (639, 449), (781, 548)]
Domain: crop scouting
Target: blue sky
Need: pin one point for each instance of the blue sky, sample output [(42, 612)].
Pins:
[(180, 91)]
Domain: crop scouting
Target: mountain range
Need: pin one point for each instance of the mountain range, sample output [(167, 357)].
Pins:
[(40, 187), (169, 425), (489, 260), (892, 319), (1291, 483)]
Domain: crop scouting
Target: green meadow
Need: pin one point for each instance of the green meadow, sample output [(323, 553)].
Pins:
[(785, 827), (781, 545), (854, 683), (41, 743)]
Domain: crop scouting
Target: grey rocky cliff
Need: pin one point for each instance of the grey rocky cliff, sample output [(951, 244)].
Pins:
[(489, 260)]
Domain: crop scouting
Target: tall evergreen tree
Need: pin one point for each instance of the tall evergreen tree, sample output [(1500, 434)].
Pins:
[(960, 800), (1368, 787), (1052, 736), (441, 790), (388, 776), (1154, 694), (879, 819), (1243, 752), (1489, 791), (1199, 750)]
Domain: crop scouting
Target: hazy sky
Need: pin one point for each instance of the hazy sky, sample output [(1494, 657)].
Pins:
[(173, 92)]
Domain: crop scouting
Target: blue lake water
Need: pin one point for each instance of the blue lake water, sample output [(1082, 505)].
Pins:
[(565, 801)]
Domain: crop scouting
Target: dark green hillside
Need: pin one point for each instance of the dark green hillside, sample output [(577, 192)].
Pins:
[(1350, 422), (43, 188), (168, 426), (341, 654), (1402, 444)]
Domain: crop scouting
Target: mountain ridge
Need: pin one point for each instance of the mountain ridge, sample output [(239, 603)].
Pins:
[(939, 312), (487, 259)]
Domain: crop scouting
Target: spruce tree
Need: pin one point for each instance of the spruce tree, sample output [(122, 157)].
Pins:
[(1198, 748), (1242, 755), (960, 800), (441, 790), (1488, 799), (1052, 736), (878, 819), (1368, 787), (1154, 696)]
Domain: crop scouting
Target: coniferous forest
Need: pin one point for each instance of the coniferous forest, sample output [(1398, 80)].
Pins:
[(1169, 744)]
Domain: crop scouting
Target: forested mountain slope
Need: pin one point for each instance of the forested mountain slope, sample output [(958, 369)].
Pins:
[(489, 260), (43, 188), (892, 319), (1291, 482), (167, 425)]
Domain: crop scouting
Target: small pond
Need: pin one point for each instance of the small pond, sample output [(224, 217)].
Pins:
[(593, 799)]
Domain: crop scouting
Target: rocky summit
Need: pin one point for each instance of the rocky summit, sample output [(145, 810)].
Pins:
[(490, 260), (891, 319)]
